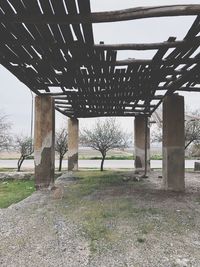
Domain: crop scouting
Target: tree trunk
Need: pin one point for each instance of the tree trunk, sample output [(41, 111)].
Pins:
[(102, 162), (19, 163), (60, 163)]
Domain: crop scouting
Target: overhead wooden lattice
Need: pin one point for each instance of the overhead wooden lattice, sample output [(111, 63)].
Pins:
[(49, 46)]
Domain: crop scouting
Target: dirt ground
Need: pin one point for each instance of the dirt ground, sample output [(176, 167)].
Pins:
[(125, 223)]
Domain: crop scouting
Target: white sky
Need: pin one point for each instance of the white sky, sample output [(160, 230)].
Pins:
[(15, 97)]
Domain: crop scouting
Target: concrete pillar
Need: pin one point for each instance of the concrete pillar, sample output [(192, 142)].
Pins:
[(173, 143), (142, 132), (44, 144), (73, 139)]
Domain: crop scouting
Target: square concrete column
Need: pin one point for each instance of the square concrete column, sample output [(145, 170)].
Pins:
[(44, 143), (142, 143), (73, 140), (173, 143)]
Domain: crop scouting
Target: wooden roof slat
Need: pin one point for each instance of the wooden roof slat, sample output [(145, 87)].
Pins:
[(65, 29), (194, 29), (84, 8), (72, 10), (155, 69), (90, 79)]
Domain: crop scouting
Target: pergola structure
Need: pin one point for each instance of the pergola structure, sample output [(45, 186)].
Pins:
[(49, 46)]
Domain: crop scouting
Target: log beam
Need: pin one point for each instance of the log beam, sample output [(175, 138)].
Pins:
[(108, 16), (150, 46)]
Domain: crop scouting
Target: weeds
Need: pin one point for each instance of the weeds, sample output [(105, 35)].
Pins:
[(14, 191)]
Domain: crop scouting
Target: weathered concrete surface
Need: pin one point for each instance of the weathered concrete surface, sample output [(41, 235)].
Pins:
[(73, 139), (140, 127), (173, 143), (44, 147)]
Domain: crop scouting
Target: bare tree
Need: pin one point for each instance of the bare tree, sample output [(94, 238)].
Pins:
[(61, 145), (105, 136), (5, 138), (24, 146), (156, 135), (192, 130)]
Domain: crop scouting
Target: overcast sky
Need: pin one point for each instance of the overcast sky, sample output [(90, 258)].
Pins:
[(15, 97)]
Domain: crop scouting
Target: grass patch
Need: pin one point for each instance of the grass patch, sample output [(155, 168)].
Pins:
[(91, 181), (15, 191), (109, 212), (7, 169), (98, 220), (118, 157), (87, 203), (156, 157), (198, 200)]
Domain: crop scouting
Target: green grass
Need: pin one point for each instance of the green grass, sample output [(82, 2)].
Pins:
[(198, 200), (90, 181), (98, 217), (15, 191), (108, 211), (118, 157), (156, 157), (7, 169), (8, 158)]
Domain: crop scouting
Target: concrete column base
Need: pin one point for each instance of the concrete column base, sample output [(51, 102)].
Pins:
[(173, 143), (73, 139), (44, 144)]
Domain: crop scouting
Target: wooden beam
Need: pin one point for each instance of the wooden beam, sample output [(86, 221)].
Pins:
[(184, 89), (168, 62), (108, 114), (150, 46), (109, 16)]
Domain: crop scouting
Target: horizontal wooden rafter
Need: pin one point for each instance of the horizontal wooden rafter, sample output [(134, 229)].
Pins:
[(150, 46), (109, 16)]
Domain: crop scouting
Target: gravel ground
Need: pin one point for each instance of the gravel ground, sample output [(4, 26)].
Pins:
[(36, 232)]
